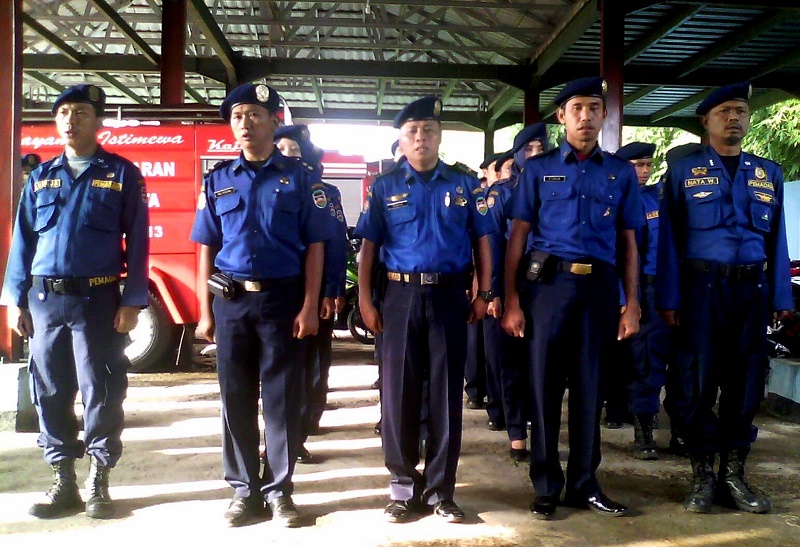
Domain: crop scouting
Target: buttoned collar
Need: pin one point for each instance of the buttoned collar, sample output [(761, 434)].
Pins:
[(275, 159), (412, 175), (100, 158), (568, 154)]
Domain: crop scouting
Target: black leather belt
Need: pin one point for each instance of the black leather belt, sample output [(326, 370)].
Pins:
[(261, 285), (72, 286), (745, 272), (425, 278)]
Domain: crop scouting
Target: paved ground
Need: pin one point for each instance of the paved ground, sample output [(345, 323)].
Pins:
[(168, 488)]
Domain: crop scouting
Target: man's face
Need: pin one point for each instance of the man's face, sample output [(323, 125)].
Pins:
[(420, 140), (253, 126), (644, 169), (505, 169), (728, 122), (77, 124), (289, 147), (533, 148), (491, 174), (583, 118)]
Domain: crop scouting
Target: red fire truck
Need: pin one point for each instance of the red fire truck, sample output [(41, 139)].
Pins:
[(173, 158)]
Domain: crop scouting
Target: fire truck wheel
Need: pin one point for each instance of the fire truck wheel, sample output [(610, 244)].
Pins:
[(357, 327), (154, 340)]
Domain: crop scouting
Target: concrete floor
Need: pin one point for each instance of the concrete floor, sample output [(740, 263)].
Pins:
[(168, 489)]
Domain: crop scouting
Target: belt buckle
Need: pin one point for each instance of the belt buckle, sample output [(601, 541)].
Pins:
[(580, 269), (252, 286), (58, 285), (428, 279)]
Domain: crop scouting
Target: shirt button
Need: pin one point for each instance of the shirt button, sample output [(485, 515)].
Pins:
[(583, 196), (583, 170), (583, 222)]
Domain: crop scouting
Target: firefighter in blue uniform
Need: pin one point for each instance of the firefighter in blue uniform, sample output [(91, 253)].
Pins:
[(29, 163), (294, 141), (261, 222), (648, 352), (723, 267), (506, 361), (581, 206), (427, 218), (64, 267)]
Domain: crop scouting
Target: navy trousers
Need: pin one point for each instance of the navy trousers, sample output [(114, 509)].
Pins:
[(507, 379), (571, 325), (317, 370), (475, 374), (257, 356), (423, 350), (722, 348), (75, 348)]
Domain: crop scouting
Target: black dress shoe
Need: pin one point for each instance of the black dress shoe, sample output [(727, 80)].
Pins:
[(449, 511), (475, 403), (599, 503), (493, 425), (611, 424), (304, 456), (518, 455), (378, 428), (376, 384), (284, 512), (544, 507), (399, 511), (241, 510)]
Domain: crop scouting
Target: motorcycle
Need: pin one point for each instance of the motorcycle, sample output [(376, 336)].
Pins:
[(349, 318)]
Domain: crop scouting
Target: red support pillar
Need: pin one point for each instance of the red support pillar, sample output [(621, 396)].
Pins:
[(612, 64), (173, 46), (531, 115), (10, 166)]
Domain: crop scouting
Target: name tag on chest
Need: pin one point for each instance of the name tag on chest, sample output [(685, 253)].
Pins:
[(554, 178), (107, 185)]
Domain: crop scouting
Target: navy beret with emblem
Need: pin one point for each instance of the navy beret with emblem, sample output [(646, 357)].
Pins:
[(734, 92), (297, 133), (593, 86), (31, 160), (249, 93), (489, 159), (535, 132), (82, 93), (426, 108), (501, 159), (636, 151)]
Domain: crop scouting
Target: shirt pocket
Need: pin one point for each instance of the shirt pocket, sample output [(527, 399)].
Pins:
[(704, 208), (557, 209), (103, 210), (604, 207), (46, 206), (285, 220), (402, 229), (761, 212), (230, 210)]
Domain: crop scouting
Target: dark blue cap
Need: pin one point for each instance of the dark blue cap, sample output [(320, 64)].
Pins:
[(636, 151), (739, 92), (426, 108), (395, 144), (249, 93), (31, 160), (535, 132), (593, 86), (489, 159), (297, 133), (82, 93)]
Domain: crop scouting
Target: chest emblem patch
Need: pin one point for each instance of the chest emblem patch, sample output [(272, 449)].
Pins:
[(763, 184), (763, 197), (480, 205), (760, 173), (701, 195)]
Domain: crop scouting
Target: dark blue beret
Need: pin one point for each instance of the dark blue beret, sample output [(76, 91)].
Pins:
[(593, 86), (636, 151), (395, 144), (249, 93), (740, 92), (426, 108), (297, 133), (31, 160), (535, 132), (489, 159), (83, 93), (502, 158)]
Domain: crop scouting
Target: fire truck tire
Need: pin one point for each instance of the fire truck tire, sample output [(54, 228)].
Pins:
[(154, 340), (357, 327)]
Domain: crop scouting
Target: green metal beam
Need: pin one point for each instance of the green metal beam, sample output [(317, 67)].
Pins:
[(120, 86), (49, 82), (71, 53), (380, 95), (643, 92), (318, 95), (451, 86), (503, 101), (216, 38), (661, 30), (194, 94), (582, 15), (677, 107), (127, 30)]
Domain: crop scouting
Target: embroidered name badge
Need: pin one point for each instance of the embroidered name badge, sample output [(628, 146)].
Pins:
[(554, 178), (763, 197), (397, 204), (46, 183), (107, 185), (652, 214), (702, 181), (224, 192), (763, 184)]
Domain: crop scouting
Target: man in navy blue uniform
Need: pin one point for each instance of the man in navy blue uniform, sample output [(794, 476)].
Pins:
[(427, 217), (62, 281), (261, 221), (29, 163), (647, 353), (294, 141), (580, 206), (723, 267)]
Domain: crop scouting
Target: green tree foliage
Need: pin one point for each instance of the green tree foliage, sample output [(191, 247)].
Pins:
[(775, 134)]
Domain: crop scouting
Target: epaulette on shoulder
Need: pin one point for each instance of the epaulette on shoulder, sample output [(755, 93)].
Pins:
[(462, 169), (767, 160), (216, 166)]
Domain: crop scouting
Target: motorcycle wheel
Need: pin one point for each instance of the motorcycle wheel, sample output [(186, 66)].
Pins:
[(357, 327)]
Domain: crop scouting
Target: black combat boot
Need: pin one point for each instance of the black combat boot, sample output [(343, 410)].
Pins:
[(644, 446), (732, 490), (701, 497), (63, 497), (98, 506)]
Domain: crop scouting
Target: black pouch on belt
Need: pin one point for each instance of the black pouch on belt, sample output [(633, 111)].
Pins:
[(222, 285), (536, 265)]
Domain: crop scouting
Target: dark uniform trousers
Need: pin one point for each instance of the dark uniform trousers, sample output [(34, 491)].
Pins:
[(318, 367), (475, 367), (76, 348), (256, 349), (572, 323), (506, 379), (722, 348), (425, 329), (649, 352)]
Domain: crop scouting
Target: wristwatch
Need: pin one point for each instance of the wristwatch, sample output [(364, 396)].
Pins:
[(486, 295)]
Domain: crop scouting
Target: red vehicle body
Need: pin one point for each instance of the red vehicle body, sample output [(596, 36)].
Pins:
[(172, 158)]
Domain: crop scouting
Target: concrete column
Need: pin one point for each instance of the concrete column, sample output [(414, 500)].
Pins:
[(173, 46), (612, 64)]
